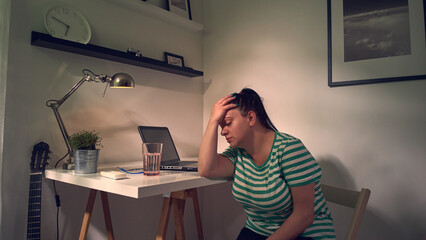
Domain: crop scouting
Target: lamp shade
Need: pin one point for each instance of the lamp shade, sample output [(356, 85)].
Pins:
[(122, 80)]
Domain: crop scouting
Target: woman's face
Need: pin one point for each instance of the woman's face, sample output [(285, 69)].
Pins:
[(235, 128)]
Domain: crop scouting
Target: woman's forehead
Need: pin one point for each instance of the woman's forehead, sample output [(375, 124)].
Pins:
[(233, 113)]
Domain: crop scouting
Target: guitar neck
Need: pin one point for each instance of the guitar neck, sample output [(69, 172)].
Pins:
[(39, 157), (34, 207)]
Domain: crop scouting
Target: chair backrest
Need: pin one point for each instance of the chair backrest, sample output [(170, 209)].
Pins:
[(354, 199)]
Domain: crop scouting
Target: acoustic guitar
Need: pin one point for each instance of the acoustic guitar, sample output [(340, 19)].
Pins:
[(39, 157)]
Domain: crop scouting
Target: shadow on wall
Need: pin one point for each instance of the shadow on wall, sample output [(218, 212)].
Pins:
[(335, 173), (374, 225)]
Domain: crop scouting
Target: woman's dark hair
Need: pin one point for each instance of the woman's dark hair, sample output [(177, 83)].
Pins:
[(248, 100)]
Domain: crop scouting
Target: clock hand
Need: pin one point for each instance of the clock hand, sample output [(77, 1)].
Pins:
[(61, 22), (66, 31)]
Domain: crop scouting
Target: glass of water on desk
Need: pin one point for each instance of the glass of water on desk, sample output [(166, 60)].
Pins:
[(151, 153)]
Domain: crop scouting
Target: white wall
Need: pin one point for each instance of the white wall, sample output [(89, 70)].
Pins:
[(37, 74), (4, 44), (363, 136)]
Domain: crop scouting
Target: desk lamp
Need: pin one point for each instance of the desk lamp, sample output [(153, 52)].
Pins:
[(119, 80)]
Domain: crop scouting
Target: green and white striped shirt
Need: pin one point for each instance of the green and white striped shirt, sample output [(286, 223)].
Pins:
[(264, 191)]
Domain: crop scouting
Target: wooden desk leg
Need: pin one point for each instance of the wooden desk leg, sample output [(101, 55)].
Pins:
[(107, 215), (164, 218), (179, 207), (194, 196), (178, 199), (87, 214)]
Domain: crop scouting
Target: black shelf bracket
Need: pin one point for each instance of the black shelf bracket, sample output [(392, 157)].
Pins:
[(47, 41)]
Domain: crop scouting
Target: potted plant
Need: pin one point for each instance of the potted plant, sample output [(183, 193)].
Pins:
[(86, 155)]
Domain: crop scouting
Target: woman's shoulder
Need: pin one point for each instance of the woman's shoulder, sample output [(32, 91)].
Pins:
[(285, 137), (284, 142)]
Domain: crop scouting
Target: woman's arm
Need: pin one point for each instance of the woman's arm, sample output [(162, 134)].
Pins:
[(302, 215), (210, 164)]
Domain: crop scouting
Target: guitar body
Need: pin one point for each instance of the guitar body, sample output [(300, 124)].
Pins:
[(39, 157)]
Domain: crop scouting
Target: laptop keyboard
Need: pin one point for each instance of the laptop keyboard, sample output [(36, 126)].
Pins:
[(183, 163)]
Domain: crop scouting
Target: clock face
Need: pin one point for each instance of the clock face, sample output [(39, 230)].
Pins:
[(67, 23)]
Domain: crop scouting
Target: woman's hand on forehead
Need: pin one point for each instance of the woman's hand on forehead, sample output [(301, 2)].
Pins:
[(221, 107)]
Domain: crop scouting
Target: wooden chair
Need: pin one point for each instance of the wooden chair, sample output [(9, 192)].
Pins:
[(354, 199)]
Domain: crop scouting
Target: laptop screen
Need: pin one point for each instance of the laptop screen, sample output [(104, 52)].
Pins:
[(160, 135)]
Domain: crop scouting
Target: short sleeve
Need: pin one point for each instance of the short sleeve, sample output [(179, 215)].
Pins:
[(298, 165), (231, 154)]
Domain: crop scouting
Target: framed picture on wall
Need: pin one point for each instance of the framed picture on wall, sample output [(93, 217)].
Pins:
[(173, 59), (180, 7), (374, 41)]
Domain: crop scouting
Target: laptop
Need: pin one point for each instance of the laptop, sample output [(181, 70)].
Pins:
[(169, 158)]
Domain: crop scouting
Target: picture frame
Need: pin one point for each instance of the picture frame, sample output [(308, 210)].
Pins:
[(173, 59), (180, 7), (345, 69)]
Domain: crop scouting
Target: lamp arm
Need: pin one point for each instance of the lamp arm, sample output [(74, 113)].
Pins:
[(55, 104), (71, 91), (63, 130)]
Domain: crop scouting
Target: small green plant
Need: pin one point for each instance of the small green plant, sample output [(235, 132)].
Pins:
[(85, 140)]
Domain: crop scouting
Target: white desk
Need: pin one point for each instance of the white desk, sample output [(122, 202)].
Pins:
[(175, 187)]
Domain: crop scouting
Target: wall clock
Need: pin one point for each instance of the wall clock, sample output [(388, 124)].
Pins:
[(65, 22)]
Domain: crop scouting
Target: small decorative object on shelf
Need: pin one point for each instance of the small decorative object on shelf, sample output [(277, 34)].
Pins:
[(173, 59), (135, 52), (180, 7)]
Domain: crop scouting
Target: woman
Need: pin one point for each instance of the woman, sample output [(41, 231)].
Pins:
[(276, 180)]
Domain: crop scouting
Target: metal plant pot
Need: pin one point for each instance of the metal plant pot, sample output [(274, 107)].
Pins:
[(86, 161)]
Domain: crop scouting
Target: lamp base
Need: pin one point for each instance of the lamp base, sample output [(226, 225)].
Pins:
[(68, 166)]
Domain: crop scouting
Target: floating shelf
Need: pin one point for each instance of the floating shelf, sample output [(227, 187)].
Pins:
[(47, 41)]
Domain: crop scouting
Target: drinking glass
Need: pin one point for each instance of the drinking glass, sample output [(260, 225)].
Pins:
[(151, 153)]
